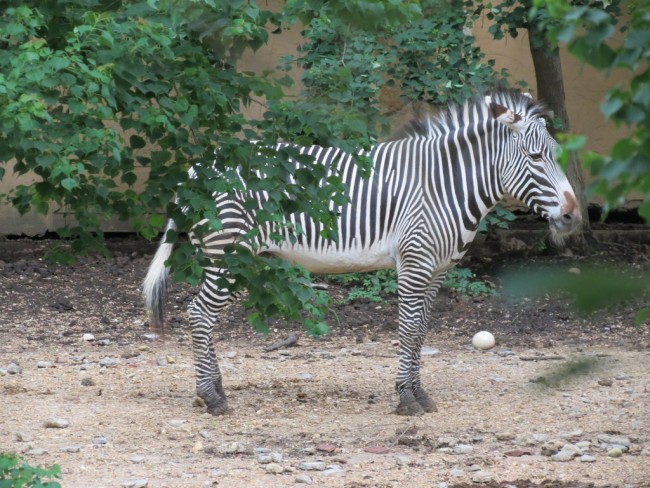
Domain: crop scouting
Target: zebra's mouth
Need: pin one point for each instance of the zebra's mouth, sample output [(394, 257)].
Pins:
[(564, 225)]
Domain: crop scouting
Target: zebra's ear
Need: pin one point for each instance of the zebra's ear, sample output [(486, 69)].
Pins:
[(505, 115)]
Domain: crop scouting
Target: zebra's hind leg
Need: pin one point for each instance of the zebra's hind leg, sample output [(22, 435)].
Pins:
[(203, 315), (422, 397)]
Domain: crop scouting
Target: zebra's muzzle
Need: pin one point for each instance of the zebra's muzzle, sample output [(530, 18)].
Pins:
[(569, 218)]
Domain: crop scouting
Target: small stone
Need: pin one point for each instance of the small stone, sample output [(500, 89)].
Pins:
[(274, 468), (605, 382), (87, 381), (567, 453), (402, 460), (313, 466), (447, 441), (574, 271), (463, 449), (429, 351), (482, 477), (109, 362), (586, 458), (171, 359), (56, 423), (3, 372), (197, 447), (104, 342), (574, 434), (326, 447), (232, 448), (304, 479), (504, 353), (176, 423), (99, 440), (504, 436), (518, 453), (218, 472), (23, 437), (305, 376), (72, 449), (161, 362), (262, 450), (231, 355), (333, 470), (36, 452), (645, 452), (376, 449), (150, 336), (43, 364), (136, 483), (88, 338), (457, 472), (617, 452), (13, 368), (615, 440), (139, 459)]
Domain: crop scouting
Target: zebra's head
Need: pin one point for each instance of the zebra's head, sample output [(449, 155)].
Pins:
[(530, 172)]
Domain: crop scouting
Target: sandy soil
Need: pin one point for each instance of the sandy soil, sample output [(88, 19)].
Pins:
[(497, 425)]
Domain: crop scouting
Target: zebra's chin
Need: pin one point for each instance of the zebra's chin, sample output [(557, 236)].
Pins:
[(561, 231)]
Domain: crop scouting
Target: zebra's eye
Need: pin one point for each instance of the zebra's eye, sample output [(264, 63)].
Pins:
[(536, 156)]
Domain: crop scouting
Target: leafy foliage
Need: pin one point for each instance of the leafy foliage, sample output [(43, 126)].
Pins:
[(497, 218), (590, 36), (374, 287), (25, 476), (96, 95), (378, 285), (464, 281)]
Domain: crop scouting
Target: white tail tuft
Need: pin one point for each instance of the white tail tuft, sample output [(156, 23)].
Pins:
[(154, 287)]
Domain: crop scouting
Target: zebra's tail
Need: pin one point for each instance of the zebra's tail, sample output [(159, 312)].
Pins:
[(154, 287)]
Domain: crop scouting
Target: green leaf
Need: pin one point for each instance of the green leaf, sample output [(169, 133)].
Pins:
[(610, 106), (137, 142), (69, 183), (642, 316)]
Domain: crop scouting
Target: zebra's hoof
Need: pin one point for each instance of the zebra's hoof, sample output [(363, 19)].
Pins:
[(425, 402), (409, 409), (218, 410)]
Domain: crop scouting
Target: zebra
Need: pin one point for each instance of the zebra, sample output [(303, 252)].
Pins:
[(417, 212)]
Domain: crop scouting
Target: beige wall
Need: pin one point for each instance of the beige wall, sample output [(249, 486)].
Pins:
[(584, 87)]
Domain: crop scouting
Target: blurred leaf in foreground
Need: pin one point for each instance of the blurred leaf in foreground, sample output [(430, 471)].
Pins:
[(591, 289)]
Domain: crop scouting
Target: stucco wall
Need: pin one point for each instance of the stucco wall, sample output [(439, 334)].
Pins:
[(584, 87)]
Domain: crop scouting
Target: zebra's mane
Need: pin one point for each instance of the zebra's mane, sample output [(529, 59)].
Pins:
[(451, 118)]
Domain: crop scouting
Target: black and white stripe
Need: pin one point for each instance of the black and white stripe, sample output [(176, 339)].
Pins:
[(417, 212)]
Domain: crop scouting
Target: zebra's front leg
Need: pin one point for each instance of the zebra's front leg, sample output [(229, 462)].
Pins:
[(414, 279), (421, 396), (408, 403)]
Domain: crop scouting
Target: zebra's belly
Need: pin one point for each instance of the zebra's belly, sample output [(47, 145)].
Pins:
[(333, 261)]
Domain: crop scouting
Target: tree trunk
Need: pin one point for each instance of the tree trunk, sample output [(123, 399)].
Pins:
[(550, 89)]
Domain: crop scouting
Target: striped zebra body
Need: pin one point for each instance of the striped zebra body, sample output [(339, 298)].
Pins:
[(418, 211)]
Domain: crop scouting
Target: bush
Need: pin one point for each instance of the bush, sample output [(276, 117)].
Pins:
[(14, 476)]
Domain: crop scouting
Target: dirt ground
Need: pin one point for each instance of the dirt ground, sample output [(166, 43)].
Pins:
[(129, 400)]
